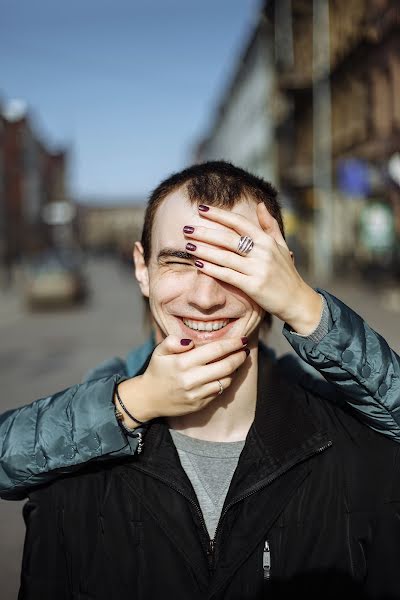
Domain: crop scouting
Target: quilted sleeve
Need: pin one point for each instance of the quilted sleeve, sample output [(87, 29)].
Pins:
[(60, 433), (359, 363)]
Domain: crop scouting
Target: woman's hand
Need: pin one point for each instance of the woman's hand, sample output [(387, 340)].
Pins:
[(267, 274), (181, 379)]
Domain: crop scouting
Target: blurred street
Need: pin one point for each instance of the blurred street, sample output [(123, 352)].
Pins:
[(42, 353)]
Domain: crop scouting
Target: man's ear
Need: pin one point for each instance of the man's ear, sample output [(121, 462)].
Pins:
[(141, 270)]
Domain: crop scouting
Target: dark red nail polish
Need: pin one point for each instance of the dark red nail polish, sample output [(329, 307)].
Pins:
[(247, 350), (188, 229), (191, 247), (199, 264), (185, 342), (203, 207), (244, 340)]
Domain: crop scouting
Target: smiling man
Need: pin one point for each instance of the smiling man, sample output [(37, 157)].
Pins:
[(249, 486)]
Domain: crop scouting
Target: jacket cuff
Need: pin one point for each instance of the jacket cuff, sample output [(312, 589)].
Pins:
[(323, 327)]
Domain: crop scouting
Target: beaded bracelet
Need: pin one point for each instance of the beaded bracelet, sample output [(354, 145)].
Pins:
[(126, 411)]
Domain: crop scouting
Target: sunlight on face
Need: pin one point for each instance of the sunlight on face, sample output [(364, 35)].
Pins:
[(184, 300)]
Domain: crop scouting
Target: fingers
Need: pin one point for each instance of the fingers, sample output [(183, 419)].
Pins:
[(212, 390), (211, 352), (178, 382), (173, 345), (222, 238), (238, 280), (230, 219), (220, 369), (269, 224), (202, 384), (218, 256), (240, 225)]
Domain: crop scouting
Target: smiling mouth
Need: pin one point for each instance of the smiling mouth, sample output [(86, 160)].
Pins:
[(206, 325)]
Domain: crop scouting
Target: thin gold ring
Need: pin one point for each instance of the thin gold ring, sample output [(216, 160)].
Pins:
[(221, 387)]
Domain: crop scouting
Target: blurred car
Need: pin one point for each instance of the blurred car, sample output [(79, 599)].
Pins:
[(53, 279)]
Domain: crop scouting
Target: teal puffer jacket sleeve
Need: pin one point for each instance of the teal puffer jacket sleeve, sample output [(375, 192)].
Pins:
[(60, 433), (358, 362)]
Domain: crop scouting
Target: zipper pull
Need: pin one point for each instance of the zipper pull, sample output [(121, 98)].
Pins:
[(211, 545), (210, 553), (266, 560)]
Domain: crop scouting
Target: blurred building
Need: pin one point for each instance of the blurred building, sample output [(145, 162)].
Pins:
[(242, 130), (112, 228), (31, 176), (4, 271), (313, 106), (362, 82)]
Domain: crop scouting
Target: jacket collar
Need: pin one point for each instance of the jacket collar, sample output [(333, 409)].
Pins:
[(284, 424), (138, 357), (284, 432)]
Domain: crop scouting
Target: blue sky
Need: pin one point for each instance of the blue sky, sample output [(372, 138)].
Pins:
[(128, 85)]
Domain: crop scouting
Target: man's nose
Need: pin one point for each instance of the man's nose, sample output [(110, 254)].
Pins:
[(206, 293)]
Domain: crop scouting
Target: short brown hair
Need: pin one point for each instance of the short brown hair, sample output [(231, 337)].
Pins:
[(217, 183)]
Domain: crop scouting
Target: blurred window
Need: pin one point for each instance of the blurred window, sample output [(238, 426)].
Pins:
[(381, 102), (394, 66)]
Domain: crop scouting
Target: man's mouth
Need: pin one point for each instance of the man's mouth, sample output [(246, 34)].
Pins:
[(205, 325)]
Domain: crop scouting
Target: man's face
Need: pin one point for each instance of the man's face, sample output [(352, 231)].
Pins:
[(184, 301)]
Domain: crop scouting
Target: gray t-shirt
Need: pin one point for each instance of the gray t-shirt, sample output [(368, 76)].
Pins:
[(210, 467)]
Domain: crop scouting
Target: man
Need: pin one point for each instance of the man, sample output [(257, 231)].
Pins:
[(248, 485)]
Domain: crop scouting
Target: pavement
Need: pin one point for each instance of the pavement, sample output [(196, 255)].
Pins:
[(11, 310)]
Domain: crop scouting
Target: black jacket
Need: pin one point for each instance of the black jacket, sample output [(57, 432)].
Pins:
[(316, 495)]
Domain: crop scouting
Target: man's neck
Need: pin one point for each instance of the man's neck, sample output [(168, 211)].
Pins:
[(229, 416)]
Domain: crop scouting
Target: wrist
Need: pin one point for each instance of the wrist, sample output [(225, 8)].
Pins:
[(135, 400), (305, 315)]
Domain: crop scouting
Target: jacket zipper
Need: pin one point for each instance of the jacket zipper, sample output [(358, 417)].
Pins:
[(260, 487), (266, 560), (212, 541), (210, 545), (210, 553)]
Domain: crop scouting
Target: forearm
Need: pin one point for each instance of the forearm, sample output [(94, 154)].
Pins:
[(304, 314), (133, 400), (359, 362)]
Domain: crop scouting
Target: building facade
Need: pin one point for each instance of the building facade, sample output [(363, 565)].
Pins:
[(31, 176), (314, 107), (361, 135), (242, 127)]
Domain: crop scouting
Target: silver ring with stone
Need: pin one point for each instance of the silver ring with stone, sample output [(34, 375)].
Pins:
[(245, 245), (221, 387)]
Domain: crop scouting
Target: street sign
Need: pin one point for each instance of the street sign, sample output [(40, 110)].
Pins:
[(353, 177)]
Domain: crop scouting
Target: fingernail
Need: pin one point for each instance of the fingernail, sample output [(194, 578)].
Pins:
[(185, 342), (191, 247), (199, 264), (203, 207), (188, 229), (247, 350), (244, 340)]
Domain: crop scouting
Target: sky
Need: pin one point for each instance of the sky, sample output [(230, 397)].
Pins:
[(129, 86)]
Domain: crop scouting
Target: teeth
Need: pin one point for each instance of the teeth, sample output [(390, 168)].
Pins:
[(205, 326)]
